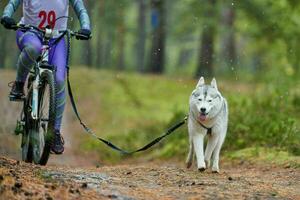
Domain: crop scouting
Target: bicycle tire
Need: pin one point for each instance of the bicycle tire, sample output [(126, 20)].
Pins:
[(25, 144), (43, 131), (26, 148)]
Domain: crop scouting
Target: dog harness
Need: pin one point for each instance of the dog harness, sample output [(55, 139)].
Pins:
[(208, 129)]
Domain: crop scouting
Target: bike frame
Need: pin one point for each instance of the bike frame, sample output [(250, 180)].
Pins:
[(38, 72), (31, 141), (48, 34)]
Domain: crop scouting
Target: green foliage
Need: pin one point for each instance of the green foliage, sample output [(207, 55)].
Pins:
[(266, 35), (267, 119), (263, 155), (127, 108), (272, 28), (131, 110)]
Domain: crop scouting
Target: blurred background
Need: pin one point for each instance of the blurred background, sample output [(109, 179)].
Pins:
[(133, 79)]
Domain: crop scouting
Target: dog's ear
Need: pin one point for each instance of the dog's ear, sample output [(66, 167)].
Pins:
[(200, 82), (214, 83)]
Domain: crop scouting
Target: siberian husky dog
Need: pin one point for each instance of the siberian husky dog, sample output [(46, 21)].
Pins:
[(208, 115)]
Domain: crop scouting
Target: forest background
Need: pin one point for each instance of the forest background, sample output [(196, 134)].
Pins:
[(146, 55)]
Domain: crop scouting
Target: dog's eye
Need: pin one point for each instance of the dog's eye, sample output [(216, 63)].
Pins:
[(200, 99), (209, 100)]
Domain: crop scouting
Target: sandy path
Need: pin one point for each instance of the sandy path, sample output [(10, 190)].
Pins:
[(59, 180), (147, 181)]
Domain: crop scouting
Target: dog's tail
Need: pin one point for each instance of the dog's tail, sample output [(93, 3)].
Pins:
[(189, 159)]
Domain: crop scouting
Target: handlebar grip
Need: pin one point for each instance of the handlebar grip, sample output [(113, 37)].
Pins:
[(82, 37), (14, 27)]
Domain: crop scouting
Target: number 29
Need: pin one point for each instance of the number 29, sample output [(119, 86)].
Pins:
[(50, 17)]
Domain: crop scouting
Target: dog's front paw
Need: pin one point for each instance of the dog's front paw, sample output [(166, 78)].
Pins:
[(201, 169), (201, 166), (215, 170)]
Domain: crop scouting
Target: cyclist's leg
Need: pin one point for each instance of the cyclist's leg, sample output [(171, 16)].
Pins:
[(31, 47), (57, 57)]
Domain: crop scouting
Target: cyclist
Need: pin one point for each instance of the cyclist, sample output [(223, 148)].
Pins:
[(41, 14)]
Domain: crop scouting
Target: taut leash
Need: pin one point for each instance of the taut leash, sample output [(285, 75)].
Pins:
[(108, 143)]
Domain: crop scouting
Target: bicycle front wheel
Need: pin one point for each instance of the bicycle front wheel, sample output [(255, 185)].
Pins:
[(43, 132), (29, 124)]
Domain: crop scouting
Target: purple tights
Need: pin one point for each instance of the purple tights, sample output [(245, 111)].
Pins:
[(30, 45)]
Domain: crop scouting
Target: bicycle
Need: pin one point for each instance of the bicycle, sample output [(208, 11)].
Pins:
[(36, 123)]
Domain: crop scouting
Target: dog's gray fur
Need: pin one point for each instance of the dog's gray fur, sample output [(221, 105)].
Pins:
[(208, 109)]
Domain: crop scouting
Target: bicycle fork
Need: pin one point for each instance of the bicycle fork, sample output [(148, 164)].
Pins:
[(36, 83)]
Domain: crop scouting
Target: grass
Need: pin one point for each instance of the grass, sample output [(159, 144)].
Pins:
[(131, 109), (265, 155)]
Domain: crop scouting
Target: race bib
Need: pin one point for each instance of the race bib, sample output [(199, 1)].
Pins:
[(44, 13), (47, 18)]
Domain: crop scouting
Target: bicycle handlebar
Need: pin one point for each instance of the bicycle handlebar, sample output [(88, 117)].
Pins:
[(48, 32)]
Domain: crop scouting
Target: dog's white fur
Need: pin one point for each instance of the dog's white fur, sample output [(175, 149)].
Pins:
[(214, 115)]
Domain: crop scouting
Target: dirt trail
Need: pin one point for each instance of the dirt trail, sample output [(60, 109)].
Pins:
[(19, 180)]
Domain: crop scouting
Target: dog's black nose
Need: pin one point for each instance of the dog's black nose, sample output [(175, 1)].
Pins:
[(203, 110)]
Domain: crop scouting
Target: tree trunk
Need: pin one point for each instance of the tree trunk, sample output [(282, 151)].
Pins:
[(157, 54), (121, 46), (3, 39), (99, 60), (107, 58), (99, 45), (205, 63), (88, 53), (228, 40), (3, 49), (141, 36), (121, 41), (87, 50)]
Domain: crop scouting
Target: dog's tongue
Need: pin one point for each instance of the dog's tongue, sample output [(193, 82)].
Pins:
[(202, 117)]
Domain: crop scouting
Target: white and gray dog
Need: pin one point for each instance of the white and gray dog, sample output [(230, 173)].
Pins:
[(208, 115)]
